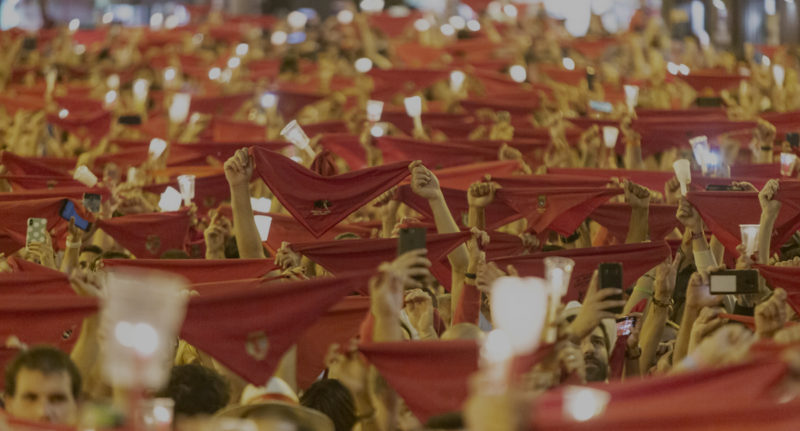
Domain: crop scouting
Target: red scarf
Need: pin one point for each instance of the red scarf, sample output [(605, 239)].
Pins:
[(32, 182), (616, 217), (284, 228), (440, 372), (346, 146), (264, 323), (339, 325), (435, 155), (18, 165), (785, 278), (561, 209), (498, 213), (57, 320), (462, 176), (201, 270), (226, 105), (317, 202), (389, 82), (149, 235), (16, 214), (636, 260), (653, 180)]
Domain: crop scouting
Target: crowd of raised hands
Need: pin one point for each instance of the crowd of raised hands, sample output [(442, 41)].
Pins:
[(560, 167)]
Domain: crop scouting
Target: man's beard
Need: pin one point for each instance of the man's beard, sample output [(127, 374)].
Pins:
[(596, 371)]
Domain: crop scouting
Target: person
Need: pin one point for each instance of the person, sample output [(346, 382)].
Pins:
[(43, 385), (331, 397), (196, 390)]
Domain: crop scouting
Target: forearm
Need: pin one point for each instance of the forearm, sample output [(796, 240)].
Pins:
[(765, 236), (70, 260), (639, 228), (87, 350), (477, 217), (244, 225), (389, 219), (650, 337), (633, 155), (387, 328), (717, 249), (287, 368), (632, 368), (445, 223), (216, 253), (690, 314), (643, 289)]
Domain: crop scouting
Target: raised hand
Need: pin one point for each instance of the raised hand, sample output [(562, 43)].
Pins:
[(347, 367), (481, 194), (419, 308), (707, 322), (219, 228), (423, 182), (698, 294), (239, 168), (286, 258), (688, 216), (766, 197), (672, 190), (410, 266), (770, 315), (594, 309), (637, 196)]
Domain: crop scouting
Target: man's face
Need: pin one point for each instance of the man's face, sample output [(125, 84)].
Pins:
[(43, 397), (595, 354), (85, 261)]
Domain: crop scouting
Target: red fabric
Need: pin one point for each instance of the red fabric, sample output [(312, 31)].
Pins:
[(494, 82), (346, 146), (461, 177), (439, 371), (785, 278), (525, 146), (209, 191), (226, 105), (741, 394), (338, 325), (333, 126), (788, 194), (593, 48), (285, 228), (653, 180), (149, 235), (714, 81), (290, 102), (84, 124), (468, 309), (561, 209), (616, 218), (228, 129), (16, 213), (352, 255), (563, 76), (452, 125), (435, 155), (519, 107), (636, 260), (389, 82), (299, 189), (28, 182), (390, 25), (413, 54), (550, 180), (275, 315), (324, 164), (723, 212), (45, 319), (34, 283), (18, 165), (201, 270), (498, 213), (766, 171), (196, 153), (26, 103), (75, 193), (660, 134)]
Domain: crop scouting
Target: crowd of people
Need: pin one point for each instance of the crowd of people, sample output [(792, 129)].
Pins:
[(390, 220)]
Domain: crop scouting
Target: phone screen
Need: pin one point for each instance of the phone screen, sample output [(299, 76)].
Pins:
[(625, 325), (68, 211), (91, 201), (611, 278), (412, 238)]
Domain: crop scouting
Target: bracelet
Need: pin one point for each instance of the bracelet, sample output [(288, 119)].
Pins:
[(766, 148), (661, 304), (697, 235), (471, 276)]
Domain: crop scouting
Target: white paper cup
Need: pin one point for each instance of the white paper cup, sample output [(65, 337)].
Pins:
[(683, 172), (787, 164), (749, 233), (85, 176)]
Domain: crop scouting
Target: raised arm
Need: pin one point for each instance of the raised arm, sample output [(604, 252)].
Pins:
[(238, 170), (769, 213), (638, 197), (657, 312)]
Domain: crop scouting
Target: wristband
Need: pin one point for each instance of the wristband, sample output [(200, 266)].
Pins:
[(470, 276), (766, 148), (661, 304), (697, 235)]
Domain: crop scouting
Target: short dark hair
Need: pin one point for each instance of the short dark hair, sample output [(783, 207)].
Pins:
[(332, 398), (92, 249), (47, 360), (196, 390)]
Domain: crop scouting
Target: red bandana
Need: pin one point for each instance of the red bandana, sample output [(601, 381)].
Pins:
[(18, 165), (653, 180), (225, 105), (35, 283), (701, 80), (317, 202), (149, 235), (389, 82), (461, 177), (785, 278), (201, 270), (284, 228), (351, 255), (616, 218), (498, 213), (16, 214), (436, 155), (636, 260), (338, 325), (32, 182), (269, 321), (44, 319), (440, 370), (561, 209), (346, 146)]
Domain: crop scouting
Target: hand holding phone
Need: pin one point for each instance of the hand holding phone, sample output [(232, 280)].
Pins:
[(625, 325), (610, 277), (37, 230), (733, 282)]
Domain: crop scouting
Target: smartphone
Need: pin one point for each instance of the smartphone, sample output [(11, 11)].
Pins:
[(604, 107), (91, 201), (611, 278), (794, 139), (625, 325), (37, 230), (130, 120), (29, 44), (733, 282), (68, 211), (412, 238), (719, 188), (590, 77)]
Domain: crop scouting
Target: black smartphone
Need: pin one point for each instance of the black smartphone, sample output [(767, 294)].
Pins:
[(610, 277), (794, 139), (733, 282), (719, 188), (68, 211), (91, 201), (130, 120), (29, 44), (625, 325), (412, 238)]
